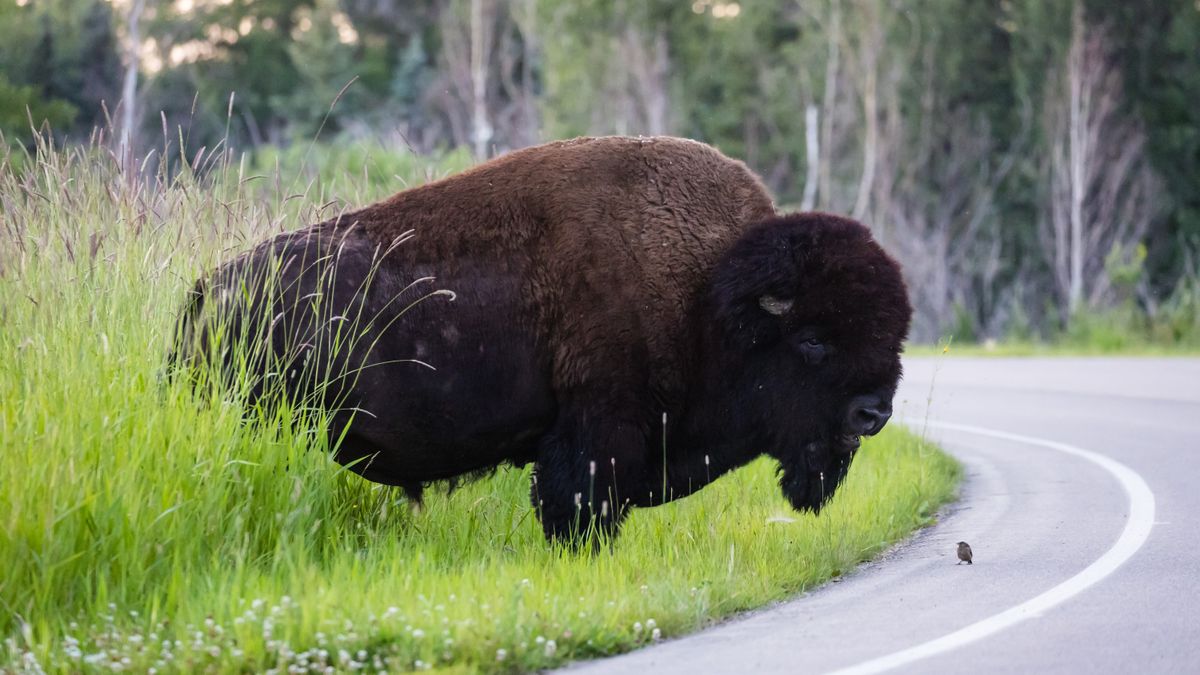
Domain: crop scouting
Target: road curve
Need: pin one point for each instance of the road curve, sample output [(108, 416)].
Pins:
[(1065, 461)]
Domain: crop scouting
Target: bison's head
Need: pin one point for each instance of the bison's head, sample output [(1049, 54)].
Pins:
[(812, 315)]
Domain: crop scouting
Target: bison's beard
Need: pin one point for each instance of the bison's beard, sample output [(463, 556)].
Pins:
[(809, 479)]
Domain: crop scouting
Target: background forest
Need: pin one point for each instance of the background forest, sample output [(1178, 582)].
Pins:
[(1034, 164)]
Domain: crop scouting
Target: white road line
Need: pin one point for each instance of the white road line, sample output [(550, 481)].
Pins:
[(1137, 528)]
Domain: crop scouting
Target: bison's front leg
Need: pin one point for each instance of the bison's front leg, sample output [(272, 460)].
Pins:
[(589, 468)]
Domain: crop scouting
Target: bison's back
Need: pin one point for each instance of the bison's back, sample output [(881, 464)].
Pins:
[(636, 252), (613, 238)]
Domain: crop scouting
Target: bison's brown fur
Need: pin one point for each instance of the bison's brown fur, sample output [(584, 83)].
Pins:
[(633, 224), (608, 292)]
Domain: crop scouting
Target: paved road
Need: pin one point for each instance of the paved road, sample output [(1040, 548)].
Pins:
[(1059, 533)]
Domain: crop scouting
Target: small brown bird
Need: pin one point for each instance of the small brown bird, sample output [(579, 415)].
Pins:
[(964, 553)]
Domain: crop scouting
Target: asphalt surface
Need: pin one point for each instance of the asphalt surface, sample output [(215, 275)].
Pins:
[(1085, 527)]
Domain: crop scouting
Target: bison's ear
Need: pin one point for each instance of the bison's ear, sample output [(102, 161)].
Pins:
[(774, 305), (753, 287)]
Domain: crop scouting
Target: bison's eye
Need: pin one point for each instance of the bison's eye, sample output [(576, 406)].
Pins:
[(811, 349)]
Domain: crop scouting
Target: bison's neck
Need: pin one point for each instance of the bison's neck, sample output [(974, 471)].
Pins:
[(716, 431)]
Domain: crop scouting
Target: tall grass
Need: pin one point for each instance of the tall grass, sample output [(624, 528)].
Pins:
[(143, 527)]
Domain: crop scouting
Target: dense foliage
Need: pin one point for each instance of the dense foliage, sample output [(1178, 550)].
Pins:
[(1034, 164)]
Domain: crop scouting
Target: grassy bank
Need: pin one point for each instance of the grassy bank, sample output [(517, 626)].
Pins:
[(141, 529)]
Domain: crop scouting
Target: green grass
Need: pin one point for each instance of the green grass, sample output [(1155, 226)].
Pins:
[(141, 528), (1020, 348), (1123, 329)]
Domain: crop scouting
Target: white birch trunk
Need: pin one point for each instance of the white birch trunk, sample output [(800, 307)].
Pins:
[(869, 49), (129, 85), (481, 129), (1080, 104), (812, 156), (828, 103)]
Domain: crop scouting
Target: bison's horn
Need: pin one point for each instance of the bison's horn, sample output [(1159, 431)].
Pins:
[(774, 305)]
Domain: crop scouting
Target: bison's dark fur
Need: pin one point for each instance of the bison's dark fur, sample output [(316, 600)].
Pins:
[(606, 292)]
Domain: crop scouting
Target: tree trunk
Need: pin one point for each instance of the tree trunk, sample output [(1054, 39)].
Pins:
[(869, 50), (481, 132), (129, 86), (528, 95), (812, 156), (1079, 153), (830, 99)]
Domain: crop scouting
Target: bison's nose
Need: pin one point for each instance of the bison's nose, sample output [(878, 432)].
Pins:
[(868, 414)]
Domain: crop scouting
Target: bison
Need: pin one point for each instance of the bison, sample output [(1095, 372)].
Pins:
[(631, 315)]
